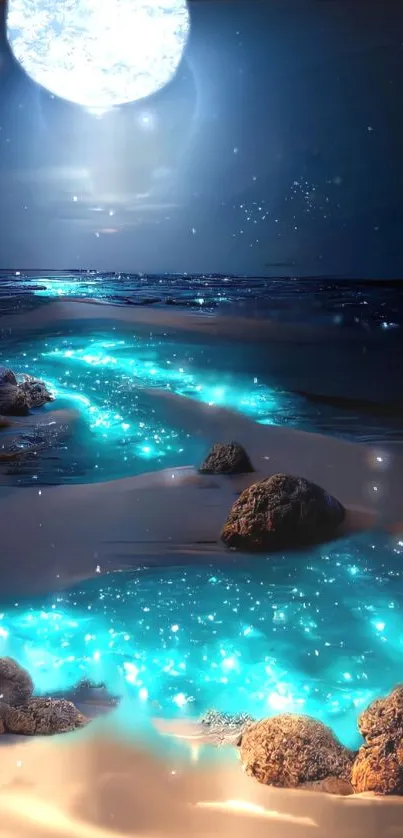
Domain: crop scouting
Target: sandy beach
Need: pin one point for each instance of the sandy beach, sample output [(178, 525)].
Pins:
[(99, 784), (201, 419)]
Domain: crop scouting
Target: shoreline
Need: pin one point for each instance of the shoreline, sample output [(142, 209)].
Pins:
[(294, 356), (235, 328), (174, 517)]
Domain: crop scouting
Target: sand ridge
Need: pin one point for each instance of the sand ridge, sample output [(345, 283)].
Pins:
[(174, 516)]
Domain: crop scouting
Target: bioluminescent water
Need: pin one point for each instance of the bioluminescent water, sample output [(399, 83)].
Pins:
[(105, 378), (318, 632), (103, 374)]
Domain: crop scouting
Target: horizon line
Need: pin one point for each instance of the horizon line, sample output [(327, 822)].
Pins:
[(18, 273)]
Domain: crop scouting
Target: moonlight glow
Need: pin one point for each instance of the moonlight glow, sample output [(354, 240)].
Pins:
[(99, 54)]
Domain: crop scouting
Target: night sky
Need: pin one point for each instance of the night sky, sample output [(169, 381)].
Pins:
[(277, 150)]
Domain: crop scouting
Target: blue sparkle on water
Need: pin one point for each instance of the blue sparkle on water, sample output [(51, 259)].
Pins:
[(105, 379)]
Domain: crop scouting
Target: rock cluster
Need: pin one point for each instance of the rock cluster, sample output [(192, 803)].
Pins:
[(281, 512), (17, 398), (378, 766), (21, 713), (226, 458), (297, 751)]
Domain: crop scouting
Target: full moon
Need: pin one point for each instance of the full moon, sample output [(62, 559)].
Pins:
[(99, 53)]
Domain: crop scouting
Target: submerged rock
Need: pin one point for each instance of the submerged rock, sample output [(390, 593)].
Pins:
[(142, 301), (190, 303), (226, 458), (224, 728), (16, 685), (383, 716), (378, 767), (89, 692), (282, 512), (42, 716), (291, 750)]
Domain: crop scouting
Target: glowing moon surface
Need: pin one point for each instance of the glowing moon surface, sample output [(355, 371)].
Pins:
[(99, 53)]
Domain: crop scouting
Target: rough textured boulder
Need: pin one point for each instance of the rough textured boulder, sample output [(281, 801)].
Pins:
[(379, 767), (35, 391), (281, 512), (42, 716), (383, 716), (7, 376), (226, 458), (18, 398), (291, 750), (16, 685)]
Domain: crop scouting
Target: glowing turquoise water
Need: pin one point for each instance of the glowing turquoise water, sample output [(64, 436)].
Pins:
[(121, 431), (320, 632)]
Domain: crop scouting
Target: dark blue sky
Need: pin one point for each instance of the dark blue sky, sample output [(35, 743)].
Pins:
[(276, 150)]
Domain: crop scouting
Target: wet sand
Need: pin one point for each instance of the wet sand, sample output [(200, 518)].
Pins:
[(55, 314), (317, 359), (55, 536)]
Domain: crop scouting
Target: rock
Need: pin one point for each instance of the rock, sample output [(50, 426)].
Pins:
[(7, 376), (291, 750), (226, 458), (224, 728), (42, 716), (35, 391), (17, 399), (89, 692), (142, 301), (378, 767), (330, 785), (281, 512), (383, 716), (13, 400), (199, 302), (16, 685)]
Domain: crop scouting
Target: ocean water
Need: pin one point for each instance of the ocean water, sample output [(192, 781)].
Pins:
[(319, 632)]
